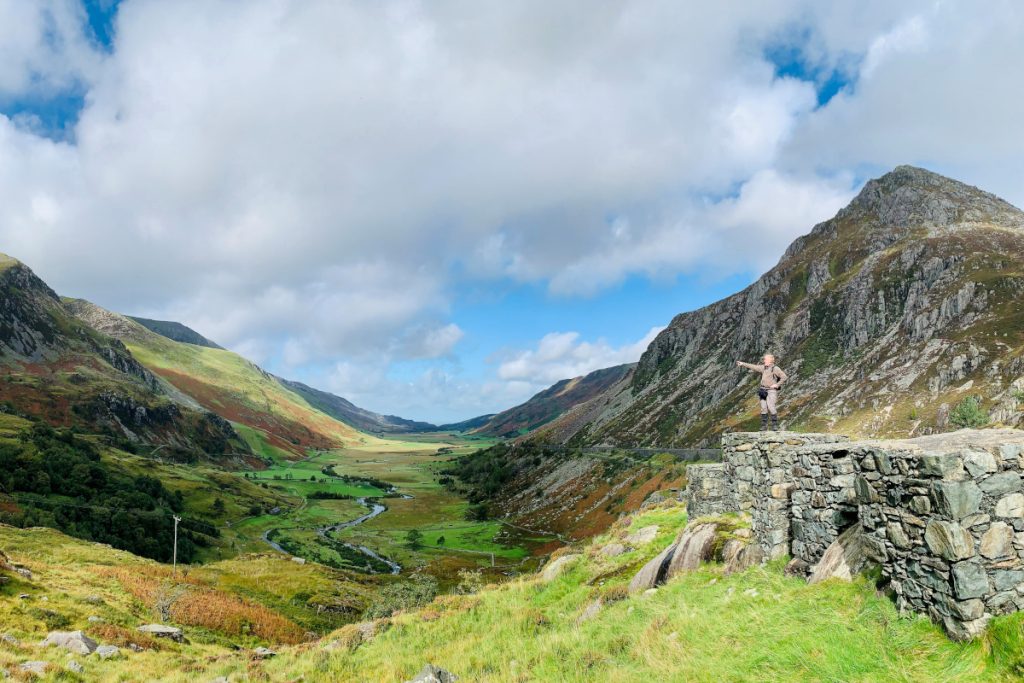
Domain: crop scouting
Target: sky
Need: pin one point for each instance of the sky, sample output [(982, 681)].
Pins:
[(437, 209)]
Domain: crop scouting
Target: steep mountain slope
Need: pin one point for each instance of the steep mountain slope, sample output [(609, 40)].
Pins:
[(175, 331), (886, 316), (55, 367), (227, 384), (351, 414), (554, 401)]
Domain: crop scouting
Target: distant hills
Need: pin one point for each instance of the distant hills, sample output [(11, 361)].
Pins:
[(175, 331)]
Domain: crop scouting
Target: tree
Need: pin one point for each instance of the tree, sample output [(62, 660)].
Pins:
[(440, 540), (969, 413), (218, 506), (414, 539)]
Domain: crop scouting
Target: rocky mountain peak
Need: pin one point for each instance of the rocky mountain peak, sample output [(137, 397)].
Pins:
[(909, 196)]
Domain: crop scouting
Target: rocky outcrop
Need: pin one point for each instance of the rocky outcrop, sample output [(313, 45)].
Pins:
[(72, 641)]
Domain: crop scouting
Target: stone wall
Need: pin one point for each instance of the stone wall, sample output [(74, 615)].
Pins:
[(942, 515)]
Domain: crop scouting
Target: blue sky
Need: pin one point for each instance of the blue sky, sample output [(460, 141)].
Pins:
[(438, 209)]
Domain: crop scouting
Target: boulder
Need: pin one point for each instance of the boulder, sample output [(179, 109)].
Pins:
[(613, 550), (263, 653), (75, 667), (643, 536), (652, 573), (845, 557), (162, 631), (554, 569), (591, 611), (108, 651), (35, 667), (434, 674), (997, 541), (695, 545), (72, 641)]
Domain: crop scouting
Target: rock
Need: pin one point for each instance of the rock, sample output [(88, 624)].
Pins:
[(9, 639), (162, 631), (613, 550), (897, 536), (299, 560), (433, 674), (956, 499), (653, 572), (220, 679), (944, 465), (998, 484), (694, 546), (554, 569), (72, 641), (797, 567), (35, 667), (969, 580), (751, 593), (979, 463), (94, 600), (962, 631), (997, 541), (1010, 506), (263, 653), (108, 651), (24, 572), (738, 556), (845, 557), (643, 536), (948, 540), (75, 667), (921, 505), (95, 620), (591, 611)]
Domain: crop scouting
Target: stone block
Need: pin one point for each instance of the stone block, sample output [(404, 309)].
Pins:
[(1001, 483), (997, 541), (970, 580), (956, 499), (979, 463), (948, 540), (1008, 579), (1010, 506), (943, 465)]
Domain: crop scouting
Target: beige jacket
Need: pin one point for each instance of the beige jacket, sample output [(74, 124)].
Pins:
[(771, 375)]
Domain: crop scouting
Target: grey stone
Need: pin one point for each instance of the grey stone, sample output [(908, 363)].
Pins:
[(979, 463), (1007, 579), (956, 499), (643, 536), (613, 550), (897, 536), (557, 566), (1010, 506), (72, 641), (922, 505), (162, 631), (35, 667), (944, 465), (1003, 482), (263, 653), (948, 540), (997, 541), (108, 651), (970, 580), (75, 667), (590, 612), (433, 674)]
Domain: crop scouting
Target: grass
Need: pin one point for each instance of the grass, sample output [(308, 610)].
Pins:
[(757, 625)]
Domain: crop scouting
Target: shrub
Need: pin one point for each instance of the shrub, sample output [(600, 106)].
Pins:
[(419, 590), (470, 581), (969, 413)]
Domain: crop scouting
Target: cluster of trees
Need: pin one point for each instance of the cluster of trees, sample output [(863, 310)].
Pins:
[(57, 479)]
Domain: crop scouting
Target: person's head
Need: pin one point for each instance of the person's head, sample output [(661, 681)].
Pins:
[(768, 359)]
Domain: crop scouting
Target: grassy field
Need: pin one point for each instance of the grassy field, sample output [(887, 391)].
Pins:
[(758, 625)]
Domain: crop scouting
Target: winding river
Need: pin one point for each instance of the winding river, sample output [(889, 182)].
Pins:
[(375, 509)]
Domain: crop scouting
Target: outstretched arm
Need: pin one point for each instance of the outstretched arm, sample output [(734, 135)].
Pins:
[(750, 366)]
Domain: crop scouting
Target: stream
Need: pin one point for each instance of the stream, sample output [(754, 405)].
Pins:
[(375, 510)]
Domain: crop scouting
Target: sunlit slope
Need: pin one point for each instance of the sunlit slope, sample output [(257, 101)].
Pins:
[(229, 385)]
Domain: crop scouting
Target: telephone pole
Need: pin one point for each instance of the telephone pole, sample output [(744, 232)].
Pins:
[(176, 520)]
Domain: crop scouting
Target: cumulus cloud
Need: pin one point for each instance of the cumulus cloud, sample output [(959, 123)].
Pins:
[(312, 181), (563, 355)]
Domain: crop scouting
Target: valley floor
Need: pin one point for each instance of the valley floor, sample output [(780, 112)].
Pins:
[(757, 625)]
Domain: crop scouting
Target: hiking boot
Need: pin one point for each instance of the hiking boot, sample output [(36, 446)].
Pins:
[(775, 423), (764, 422)]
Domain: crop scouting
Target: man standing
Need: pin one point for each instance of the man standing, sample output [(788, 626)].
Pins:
[(772, 377)]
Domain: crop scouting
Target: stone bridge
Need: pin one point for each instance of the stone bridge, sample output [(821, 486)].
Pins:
[(942, 515)]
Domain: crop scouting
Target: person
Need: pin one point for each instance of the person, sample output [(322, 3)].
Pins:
[(772, 379)]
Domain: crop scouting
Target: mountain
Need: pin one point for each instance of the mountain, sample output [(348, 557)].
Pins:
[(351, 414), (175, 331), (55, 367), (554, 402), (887, 317), (466, 425), (279, 420)]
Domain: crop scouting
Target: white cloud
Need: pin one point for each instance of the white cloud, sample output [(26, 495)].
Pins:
[(562, 355)]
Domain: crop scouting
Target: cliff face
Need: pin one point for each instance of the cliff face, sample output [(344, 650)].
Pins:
[(885, 316), (60, 368)]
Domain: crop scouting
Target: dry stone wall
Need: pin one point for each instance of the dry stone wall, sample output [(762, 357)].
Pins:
[(943, 516)]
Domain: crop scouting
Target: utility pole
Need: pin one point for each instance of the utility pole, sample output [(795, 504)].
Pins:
[(176, 520)]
